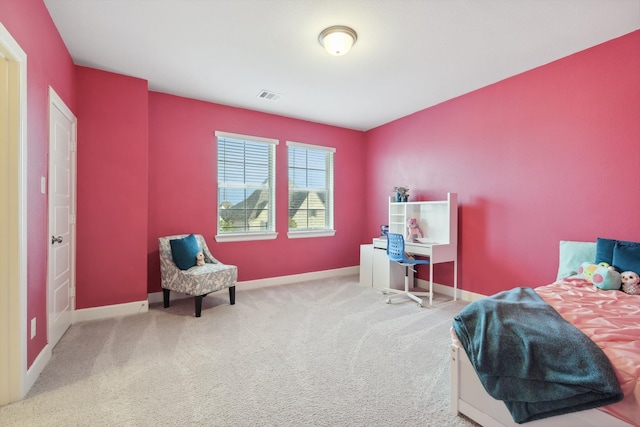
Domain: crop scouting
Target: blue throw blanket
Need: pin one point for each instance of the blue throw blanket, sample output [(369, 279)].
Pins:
[(527, 355)]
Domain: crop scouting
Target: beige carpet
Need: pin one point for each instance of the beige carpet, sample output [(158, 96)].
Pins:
[(321, 353)]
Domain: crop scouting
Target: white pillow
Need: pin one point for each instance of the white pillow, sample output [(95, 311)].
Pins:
[(572, 255)]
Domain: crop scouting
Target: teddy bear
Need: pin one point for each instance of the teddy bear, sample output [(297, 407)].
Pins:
[(413, 230), (199, 258), (631, 282)]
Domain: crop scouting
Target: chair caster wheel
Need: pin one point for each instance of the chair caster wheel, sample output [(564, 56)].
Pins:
[(389, 301), (420, 305)]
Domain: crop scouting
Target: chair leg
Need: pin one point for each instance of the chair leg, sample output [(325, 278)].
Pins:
[(199, 305), (165, 297), (396, 293), (232, 295)]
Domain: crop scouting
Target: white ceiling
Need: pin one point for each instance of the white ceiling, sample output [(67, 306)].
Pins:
[(410, 54)]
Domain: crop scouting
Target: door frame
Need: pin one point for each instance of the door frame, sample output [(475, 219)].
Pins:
[(56, 102), (13, 364)]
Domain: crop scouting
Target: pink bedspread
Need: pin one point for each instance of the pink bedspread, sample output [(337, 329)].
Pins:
[(612, 320)]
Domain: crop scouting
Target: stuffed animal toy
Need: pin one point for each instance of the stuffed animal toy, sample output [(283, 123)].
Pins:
[(631, 282), (199, 258), (413, 230), (606, 278)]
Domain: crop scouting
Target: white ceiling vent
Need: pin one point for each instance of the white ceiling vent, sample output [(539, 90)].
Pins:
[(265, 94)]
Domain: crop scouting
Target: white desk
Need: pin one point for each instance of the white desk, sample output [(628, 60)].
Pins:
[(378, 272), (436, 252)]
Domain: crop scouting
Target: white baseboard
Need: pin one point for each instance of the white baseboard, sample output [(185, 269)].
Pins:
[(156, 297), (36, 369), (469, 296), (448, 290), (295, 278), (107, 311)]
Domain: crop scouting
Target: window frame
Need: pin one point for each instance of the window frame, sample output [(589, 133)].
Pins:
[(330, 187), (236, 236)]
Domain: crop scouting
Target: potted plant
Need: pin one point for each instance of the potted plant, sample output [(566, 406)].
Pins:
[(402, 193)]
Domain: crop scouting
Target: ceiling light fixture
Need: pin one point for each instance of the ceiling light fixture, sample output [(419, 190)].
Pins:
[(338, 39)]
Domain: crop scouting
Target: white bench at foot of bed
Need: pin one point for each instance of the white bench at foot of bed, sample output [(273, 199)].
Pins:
[(469, 397)]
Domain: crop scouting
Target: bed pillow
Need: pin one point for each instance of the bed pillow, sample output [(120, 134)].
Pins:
[(600, 276), (572, 255), (626, 256), (604, 250), (184, 251)]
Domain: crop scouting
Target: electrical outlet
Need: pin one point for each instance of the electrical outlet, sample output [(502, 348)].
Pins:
[(33, 328)]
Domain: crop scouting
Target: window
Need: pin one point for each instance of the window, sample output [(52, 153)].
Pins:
[(246, 187), (310, 190)]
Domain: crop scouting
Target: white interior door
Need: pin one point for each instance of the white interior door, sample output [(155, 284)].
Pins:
[(61, 268)]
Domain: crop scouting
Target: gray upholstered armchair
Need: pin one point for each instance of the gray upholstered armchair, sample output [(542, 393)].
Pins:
[(198, 281)]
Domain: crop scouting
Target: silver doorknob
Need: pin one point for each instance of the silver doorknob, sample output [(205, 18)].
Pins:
[(55, 239)]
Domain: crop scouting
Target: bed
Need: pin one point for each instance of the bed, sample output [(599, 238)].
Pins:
[(611, 321)]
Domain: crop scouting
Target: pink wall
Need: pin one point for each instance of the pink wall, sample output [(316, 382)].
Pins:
[(48, 64), (183, 198), (548, 155), (112, 188)]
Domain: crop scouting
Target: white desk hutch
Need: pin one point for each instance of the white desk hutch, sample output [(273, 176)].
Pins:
[(438, 221)]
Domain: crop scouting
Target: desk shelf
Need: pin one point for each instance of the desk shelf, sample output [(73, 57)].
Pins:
[(438, 220)]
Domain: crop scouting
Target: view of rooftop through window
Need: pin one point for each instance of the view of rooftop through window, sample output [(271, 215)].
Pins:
[(245, 184), (310, 184)]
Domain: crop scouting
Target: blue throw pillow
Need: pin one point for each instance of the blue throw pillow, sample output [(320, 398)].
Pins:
[(626, 256), (184, 251), (604, 250)]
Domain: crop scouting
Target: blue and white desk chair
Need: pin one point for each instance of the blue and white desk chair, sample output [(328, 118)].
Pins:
[(396, 253)]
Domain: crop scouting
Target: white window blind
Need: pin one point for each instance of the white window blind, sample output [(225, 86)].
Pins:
[(310, 187), (246, 184)]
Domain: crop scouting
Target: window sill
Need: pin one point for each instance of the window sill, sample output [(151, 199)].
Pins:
[(308, 234), (244, 237)]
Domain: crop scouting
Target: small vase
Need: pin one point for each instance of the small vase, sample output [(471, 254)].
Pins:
[(398, 197), (405, 198)]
